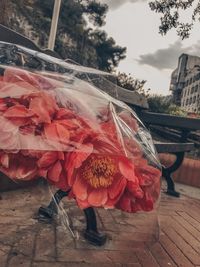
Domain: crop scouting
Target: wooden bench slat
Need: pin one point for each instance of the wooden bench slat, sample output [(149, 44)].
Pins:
[(173, 147), (170, 120)]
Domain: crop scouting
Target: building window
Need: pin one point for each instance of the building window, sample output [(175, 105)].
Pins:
[(194, 99), (187, 101), (196, 88), (192, 90), (190, 101), (190, 81)]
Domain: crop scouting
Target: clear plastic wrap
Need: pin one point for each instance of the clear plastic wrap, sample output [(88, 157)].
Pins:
[(56, 124)]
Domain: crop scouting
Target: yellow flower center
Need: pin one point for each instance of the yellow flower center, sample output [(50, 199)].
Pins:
[(99, 171)]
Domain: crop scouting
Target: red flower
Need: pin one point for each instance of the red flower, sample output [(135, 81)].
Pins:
[(99, 176), (93, 152), (51, 167), (101, 180), (17, 166), (143, 194)]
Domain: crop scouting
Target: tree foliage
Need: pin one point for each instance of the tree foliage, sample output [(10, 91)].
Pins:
[(93, 46), (87, 44), (4, 10), (133, 84), (109, 54), (96, 12), (172, 15), (160, 104)]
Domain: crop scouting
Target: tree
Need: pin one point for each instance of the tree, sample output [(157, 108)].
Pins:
[(92, 47), (161, 104), (4, 7), (130, 83), (171, 11), (95, 11), (109, 54)]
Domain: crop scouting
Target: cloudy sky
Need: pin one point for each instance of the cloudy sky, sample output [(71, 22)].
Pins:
[(150, 56)]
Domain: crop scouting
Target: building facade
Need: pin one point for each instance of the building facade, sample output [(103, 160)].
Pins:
[(185, 83)]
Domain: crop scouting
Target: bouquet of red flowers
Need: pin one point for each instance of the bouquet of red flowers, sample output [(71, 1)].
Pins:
[(77, 138), (66, 130)]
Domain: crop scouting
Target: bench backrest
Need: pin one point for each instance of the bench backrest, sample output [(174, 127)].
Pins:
[(130, 97)]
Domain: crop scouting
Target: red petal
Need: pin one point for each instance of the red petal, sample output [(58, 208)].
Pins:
[(63, 133), (83, 204), (4, 159), (20, 167), (85, 151), (80, 189), (14, 75), (47, 159), (18, 111), (124, 203), (64, 113), (117, 187), (61, 155), (3, 105), (69, 167), (69, 124), (135, 189), (42, 173), (62, 183), (98, 197), (74, 160), (38, 106), (55, 171), (127, 169), (50, 131)]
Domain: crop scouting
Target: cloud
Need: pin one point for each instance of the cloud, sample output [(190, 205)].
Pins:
[(114, 4), (167, 58)]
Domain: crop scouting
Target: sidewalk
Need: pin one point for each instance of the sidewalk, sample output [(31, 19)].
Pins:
[(25, 242)]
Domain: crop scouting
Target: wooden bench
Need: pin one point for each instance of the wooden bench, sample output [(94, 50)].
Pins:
[(140, 105), (185, 125)]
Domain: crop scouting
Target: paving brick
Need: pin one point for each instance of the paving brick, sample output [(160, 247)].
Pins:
[(45, 248), (122, 257), (64, 239), (4, 250), (55, 247), (132, 265), (19, 261), (24, 241), (72, 264), (7, 233), (84, 256)]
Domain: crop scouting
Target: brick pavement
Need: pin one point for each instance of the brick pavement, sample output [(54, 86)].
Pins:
[(25, 242)]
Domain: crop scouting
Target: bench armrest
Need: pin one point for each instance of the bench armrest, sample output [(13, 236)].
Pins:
[(172, 121)]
